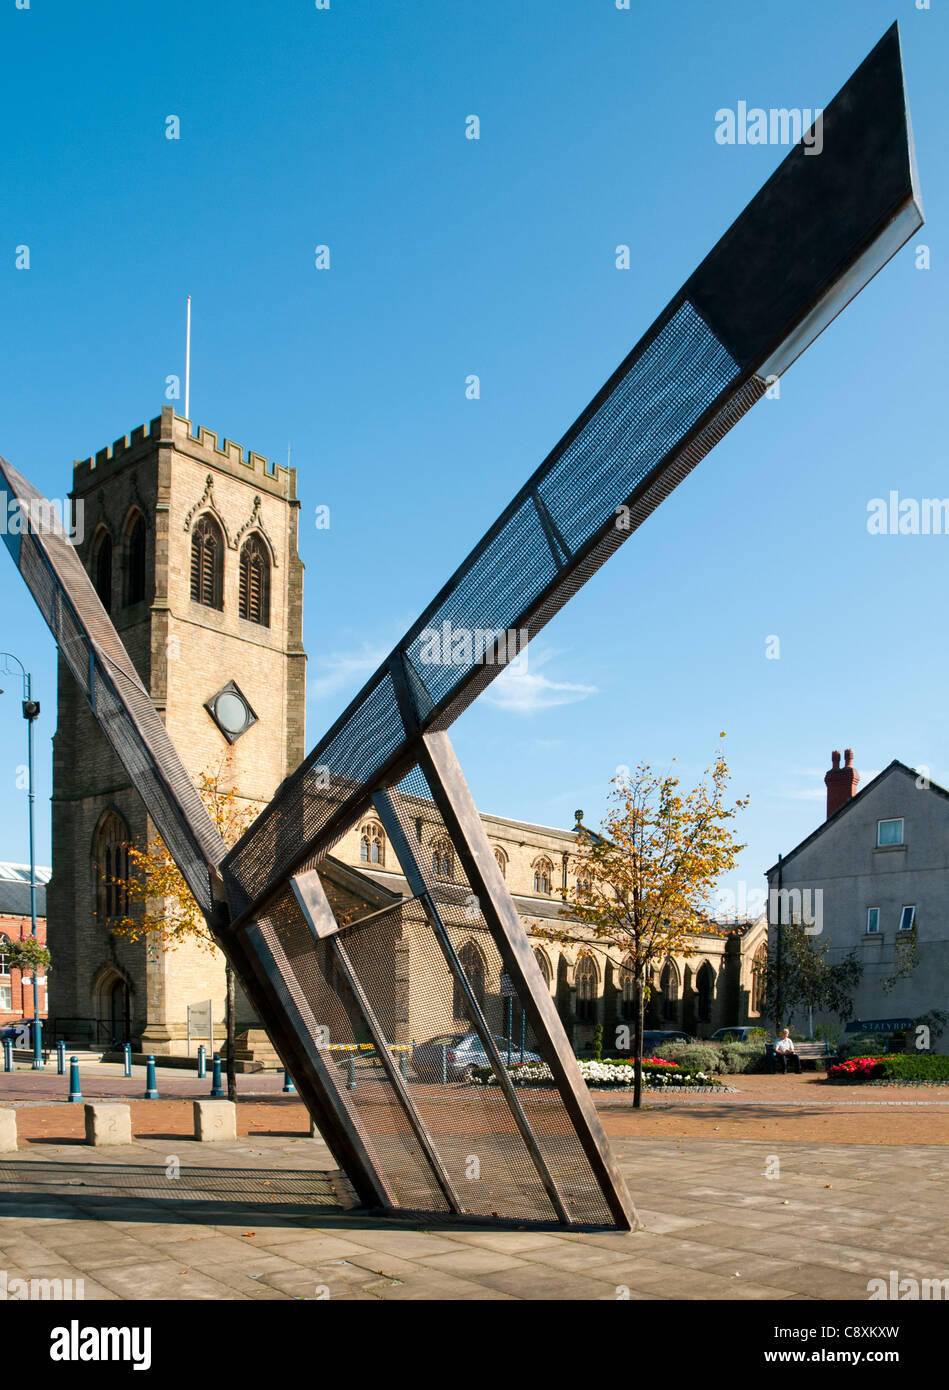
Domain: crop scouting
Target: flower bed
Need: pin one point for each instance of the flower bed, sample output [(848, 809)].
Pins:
[(896, 1067), (656, 1075), (856, 1069)]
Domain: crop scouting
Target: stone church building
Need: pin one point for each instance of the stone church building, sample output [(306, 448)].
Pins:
[(192, 547)]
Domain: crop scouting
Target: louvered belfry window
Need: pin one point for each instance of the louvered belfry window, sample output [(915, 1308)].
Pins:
[(207, 563), (254, 599)]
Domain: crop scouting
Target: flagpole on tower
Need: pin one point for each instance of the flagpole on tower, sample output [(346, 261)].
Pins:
[(188, 362)]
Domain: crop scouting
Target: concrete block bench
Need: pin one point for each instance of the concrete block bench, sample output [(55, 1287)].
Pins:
[(215, 1120), (7, 1131), (107, 1123)]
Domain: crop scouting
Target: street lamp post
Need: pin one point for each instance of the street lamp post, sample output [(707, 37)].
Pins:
[(31, 709)]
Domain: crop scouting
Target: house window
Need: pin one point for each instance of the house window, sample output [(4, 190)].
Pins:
[(585, 980), (6, 998), (135, 562), (207, 563), (254, 595), (907, 919), (372, 846), (543, 875), (890, 832), (102, 570), (4, 955), (442, 859), (873, 919)]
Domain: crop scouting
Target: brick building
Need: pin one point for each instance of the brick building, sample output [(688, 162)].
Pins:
[(16, 989)]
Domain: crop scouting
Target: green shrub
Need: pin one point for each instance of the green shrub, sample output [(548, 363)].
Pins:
[(694, 1057), (861, 1045), (748, 1056), (919, 1066)]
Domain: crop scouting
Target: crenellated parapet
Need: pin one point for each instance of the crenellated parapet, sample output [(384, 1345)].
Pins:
[(203, 446)]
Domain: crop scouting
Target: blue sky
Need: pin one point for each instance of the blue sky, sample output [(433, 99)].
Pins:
[(449, 256)]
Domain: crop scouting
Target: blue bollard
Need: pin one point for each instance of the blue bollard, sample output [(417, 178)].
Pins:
[(151, 1082), (127, 1057), (202, 1062), (217, 1090), (352, 1072), (288, 1087), (38, 1062), (74, 1092), (60, 1059), (404, 1066), (444, 1066), (7, 1054)]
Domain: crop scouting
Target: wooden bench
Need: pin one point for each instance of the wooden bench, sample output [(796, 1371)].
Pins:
[(807, 1051)]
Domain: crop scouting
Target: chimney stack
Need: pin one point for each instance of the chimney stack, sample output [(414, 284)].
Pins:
[(841, 782)]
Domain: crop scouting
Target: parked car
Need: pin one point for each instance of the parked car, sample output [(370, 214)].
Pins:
[(744, 1034), (654, 1040), (463, 1052)]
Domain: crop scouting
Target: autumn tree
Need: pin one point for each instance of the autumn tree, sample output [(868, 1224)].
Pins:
[(643, 886), (170, 917)]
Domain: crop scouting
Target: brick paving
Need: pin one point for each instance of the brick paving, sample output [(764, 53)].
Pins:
[(263, 1219)]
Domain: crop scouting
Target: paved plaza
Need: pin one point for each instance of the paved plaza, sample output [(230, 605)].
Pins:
[(266, 1218)]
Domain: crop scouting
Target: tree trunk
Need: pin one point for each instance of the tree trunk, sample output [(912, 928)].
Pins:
[(638, 1010), (230, 1025)]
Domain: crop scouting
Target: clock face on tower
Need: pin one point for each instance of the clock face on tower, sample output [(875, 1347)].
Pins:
[(231, 711)]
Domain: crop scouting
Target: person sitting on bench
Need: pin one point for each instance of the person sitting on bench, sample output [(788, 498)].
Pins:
[(784, 1048)]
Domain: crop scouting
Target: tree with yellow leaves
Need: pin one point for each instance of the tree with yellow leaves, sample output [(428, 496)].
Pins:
[(643, 885), (170, 916)]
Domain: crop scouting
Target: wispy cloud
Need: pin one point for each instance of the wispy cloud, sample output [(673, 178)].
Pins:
[(527, 691), (336, 671)]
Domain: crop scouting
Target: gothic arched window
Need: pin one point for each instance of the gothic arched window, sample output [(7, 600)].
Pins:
[(501, 857), (254, 596), (102, 570), (759, 966), (627, 978), (372, 844), (541, 959), (471, 959), (585, 980), (704, 987), (207, 563), (135, 562), (4, 955), (442, 859), (110, 860), (669, 989), (543, 875)]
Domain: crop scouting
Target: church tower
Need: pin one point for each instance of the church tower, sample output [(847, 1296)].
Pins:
[(192, 547)]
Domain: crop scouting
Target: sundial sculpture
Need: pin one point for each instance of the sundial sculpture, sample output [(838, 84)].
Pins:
[(815, 234)]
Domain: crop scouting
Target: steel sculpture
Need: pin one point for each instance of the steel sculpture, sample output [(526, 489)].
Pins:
[(405, 1134)]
